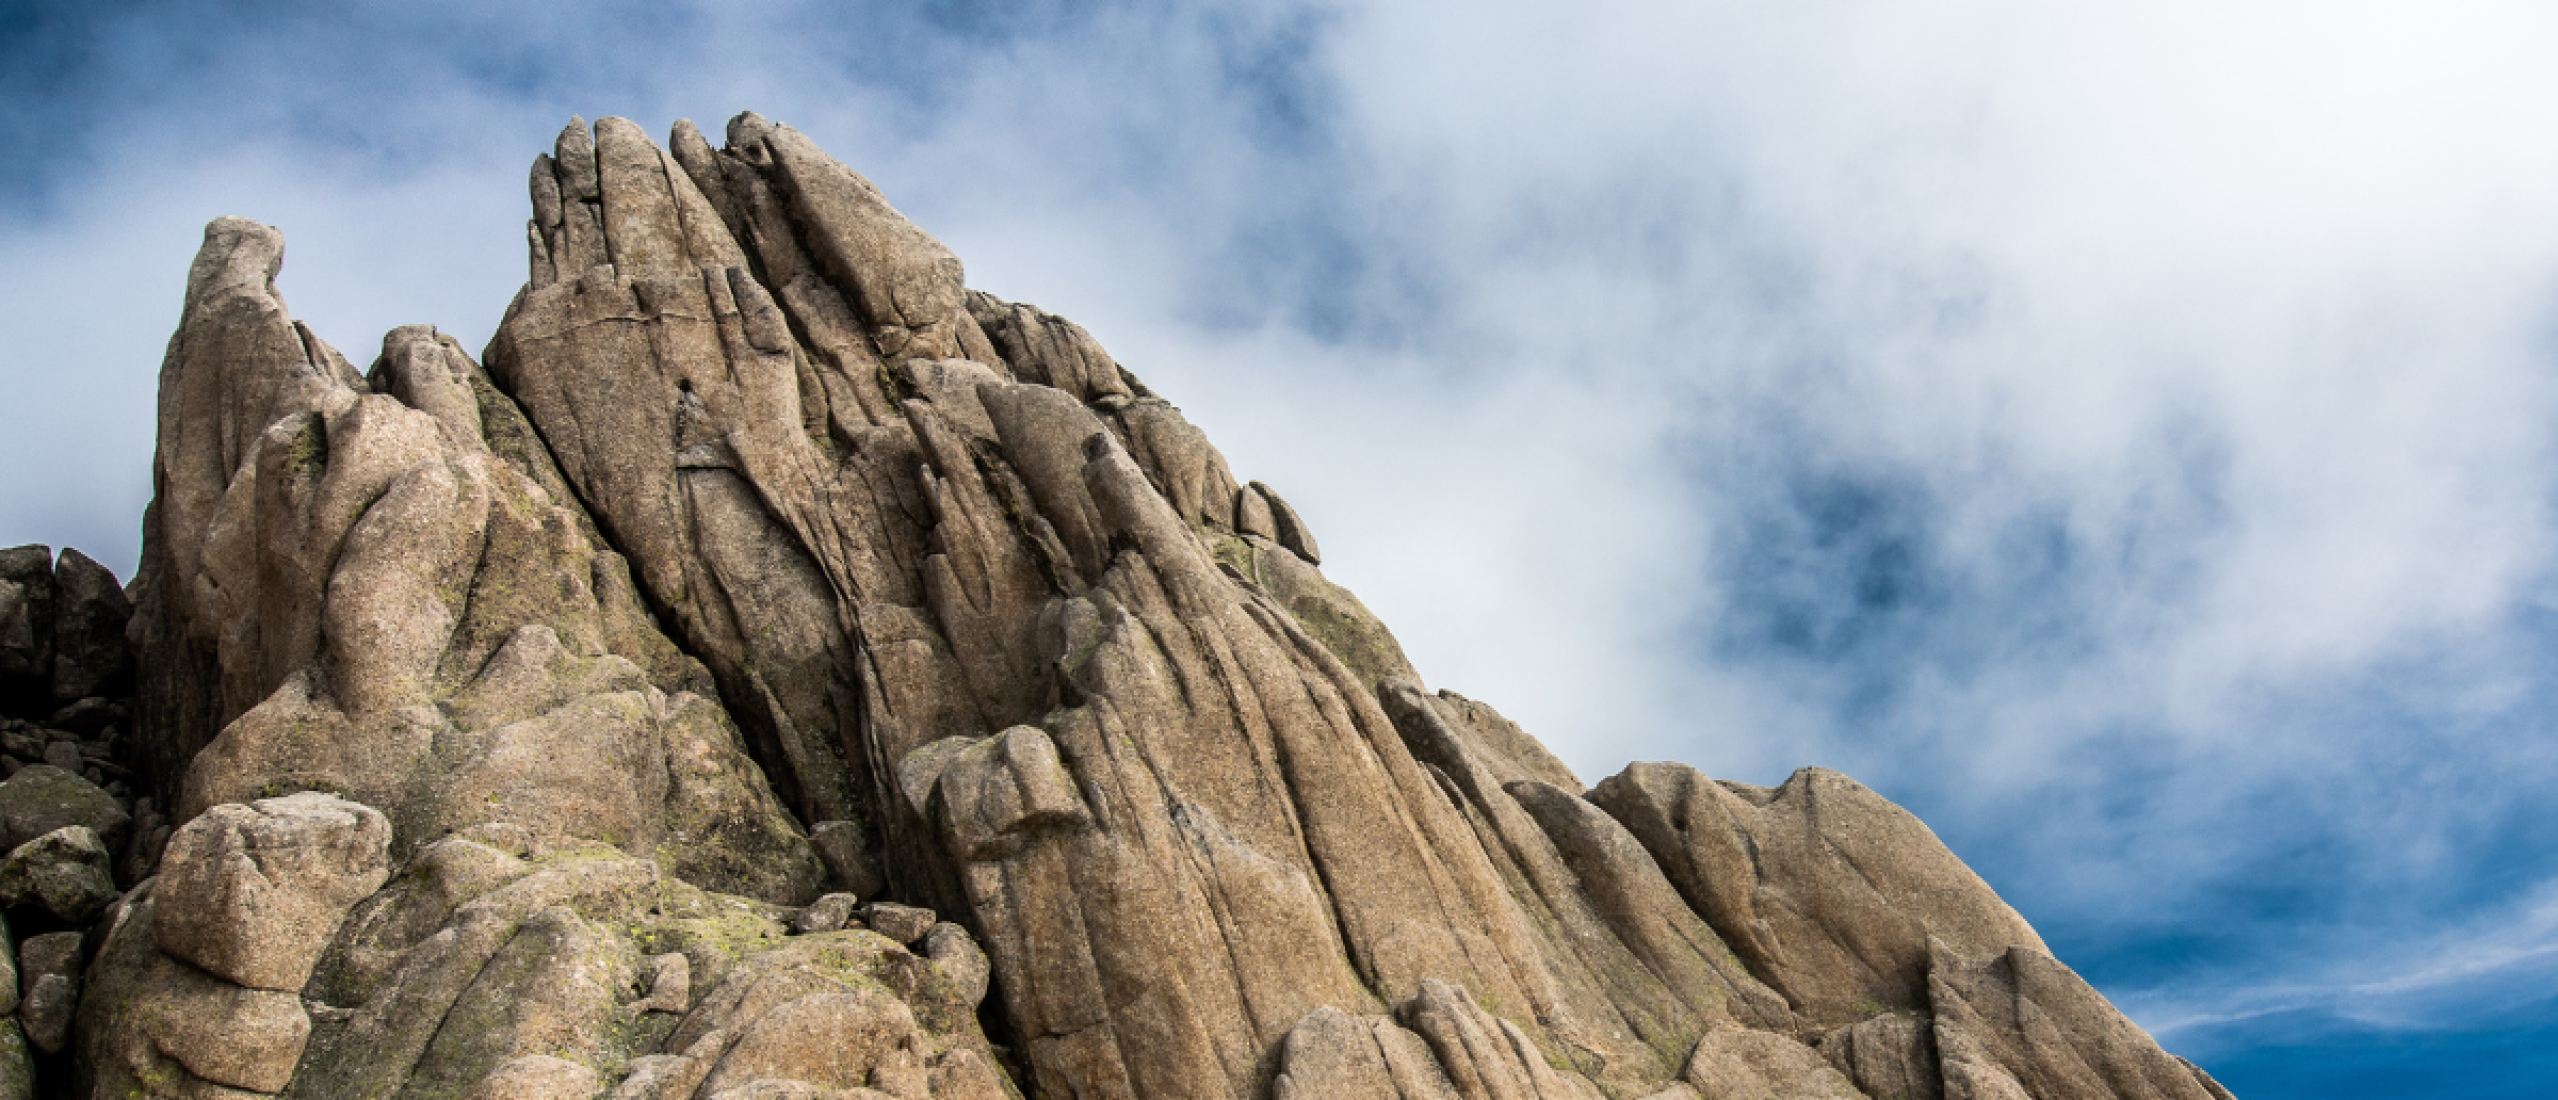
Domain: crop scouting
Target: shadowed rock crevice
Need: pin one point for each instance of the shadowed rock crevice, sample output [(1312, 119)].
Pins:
[(783, 668)]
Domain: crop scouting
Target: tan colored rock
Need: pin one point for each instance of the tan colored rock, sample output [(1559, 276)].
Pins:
[(1332, 1053), (539, 1077), (904, 282), (243, 1038), (831, 1040), (2020, 1023), (1486, 1057), (237, 366), (1052, 351), (1292, 530), (1738, 1062), (961, 963), (495, 947), (826, 914), (1890, 1057), (152, 1026), (254, 893), (670, 985), (1180, 461), (394, 595), (1828, 892), (905, 924)]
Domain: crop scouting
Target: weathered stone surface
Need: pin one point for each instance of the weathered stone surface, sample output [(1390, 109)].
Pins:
[(1828, 892), (243, 1038), (90, 657), (539, 1077), (2021, 1024), (758, 517), (8, 969), (1332, 1053), (1889, 1057), (843, 1010), (17, 1063), (254, 893), (902, 923), (1486, 1056), (382, 587), (826, 914), (65, 871), (1757, 1064), (26, 626), (153, 1026), (42, 798), (850, 867), (831, 1040), (670, 984), (49, 982), (961, 962), (1289, 528), (492, 948)]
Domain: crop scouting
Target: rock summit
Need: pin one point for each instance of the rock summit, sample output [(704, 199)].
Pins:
[(772, 669)]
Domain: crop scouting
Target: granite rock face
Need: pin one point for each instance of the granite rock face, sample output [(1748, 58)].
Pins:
[(483, 713)]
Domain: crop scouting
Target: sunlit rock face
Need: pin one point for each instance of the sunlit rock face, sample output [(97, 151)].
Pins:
[(774, 669)]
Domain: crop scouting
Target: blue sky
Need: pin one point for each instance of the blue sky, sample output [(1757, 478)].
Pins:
[(2123, 437)]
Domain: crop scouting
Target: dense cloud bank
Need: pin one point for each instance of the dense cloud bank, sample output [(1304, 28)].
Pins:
[(2121, 438)]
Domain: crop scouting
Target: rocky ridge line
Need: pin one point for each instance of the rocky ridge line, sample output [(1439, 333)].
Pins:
[(777, 670)]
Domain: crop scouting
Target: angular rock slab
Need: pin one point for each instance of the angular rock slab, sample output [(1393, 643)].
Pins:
[(1446, 1047), (2020, 1023), (42, 798), (65, 871), (1756, 1064), (254, 894), (152, 1026), (49, 973), (90, 657), (1828, 892), (26, 626)]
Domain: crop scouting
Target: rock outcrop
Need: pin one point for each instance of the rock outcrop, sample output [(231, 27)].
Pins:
[(778, 670)]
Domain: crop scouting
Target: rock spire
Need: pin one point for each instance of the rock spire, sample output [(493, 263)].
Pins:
[(774, 669)]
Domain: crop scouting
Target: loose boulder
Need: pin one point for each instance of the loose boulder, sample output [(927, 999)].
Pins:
[(90, 659), (26, 626), (42, 798), (254, 893), (66, 871)]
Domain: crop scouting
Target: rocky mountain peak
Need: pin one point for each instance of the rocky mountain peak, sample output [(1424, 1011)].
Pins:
[(773, 669)]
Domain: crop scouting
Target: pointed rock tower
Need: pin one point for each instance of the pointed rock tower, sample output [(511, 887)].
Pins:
[(777, 670)]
